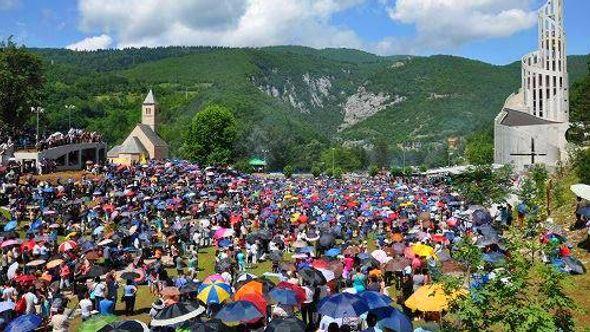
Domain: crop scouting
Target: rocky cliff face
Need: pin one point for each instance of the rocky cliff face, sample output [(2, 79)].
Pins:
[(364, 104), (309, 94)]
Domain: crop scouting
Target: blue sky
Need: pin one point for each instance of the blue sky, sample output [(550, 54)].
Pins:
[(496, 31)]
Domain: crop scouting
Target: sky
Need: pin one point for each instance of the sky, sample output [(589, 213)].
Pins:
[(494, 31)]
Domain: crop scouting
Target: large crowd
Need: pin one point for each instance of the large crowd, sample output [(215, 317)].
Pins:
[(335, 249), (73, 136)]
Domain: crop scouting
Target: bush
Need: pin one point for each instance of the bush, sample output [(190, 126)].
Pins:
[(243, 165), (423, 168), (337, 173), (288, 171), (396, 171), (373, 170), (316, 171)]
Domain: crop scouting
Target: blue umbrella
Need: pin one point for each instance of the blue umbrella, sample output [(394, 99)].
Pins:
[(36, 224), (25, 323), (224, 243), (306, 250), (98, 230), (342, 305), (397, 322), (585, 211), (238, 312), (10, 226), (283, 296), (375, 299), (333, 252), (6, 305), (493, 257)]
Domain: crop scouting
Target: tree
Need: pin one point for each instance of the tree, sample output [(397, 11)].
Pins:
[(580, 100), (21, 81), (374, 170), (288, 171), (211, 136), (582, 166), (479, 149), (348, 159), (526, 294), (483, 185), (381, 152)]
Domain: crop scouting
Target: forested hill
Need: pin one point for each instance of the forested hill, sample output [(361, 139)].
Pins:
[(291, 101)]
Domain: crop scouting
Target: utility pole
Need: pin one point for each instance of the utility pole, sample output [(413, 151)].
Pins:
[(69, 108), (37, 110)]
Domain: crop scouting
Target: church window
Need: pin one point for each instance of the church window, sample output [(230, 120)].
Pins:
[(148, 111)]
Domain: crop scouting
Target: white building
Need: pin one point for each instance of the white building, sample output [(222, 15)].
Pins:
[(531, 127)]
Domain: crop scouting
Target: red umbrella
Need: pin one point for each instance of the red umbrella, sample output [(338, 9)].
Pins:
[(320, 264), (67, 246), (299, 291), (27, 245), (257, 300), (26, 280)]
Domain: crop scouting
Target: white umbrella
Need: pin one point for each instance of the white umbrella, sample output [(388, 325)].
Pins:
[(380, 255), (105, 242), (12, 270), (329, 275), (581, 190)]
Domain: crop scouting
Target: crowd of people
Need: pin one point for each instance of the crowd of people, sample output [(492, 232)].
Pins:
[(73, 136), (336, 249)]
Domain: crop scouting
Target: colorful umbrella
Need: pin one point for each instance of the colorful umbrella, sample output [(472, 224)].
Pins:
[(213, 279), (299, 291), (422, 250), (214, 293)]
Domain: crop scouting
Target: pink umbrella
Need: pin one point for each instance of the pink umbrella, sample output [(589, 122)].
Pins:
[(11, 242), (223, 232), (213, 279)]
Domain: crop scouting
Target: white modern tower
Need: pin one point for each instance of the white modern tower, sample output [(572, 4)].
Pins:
[(531, 127)]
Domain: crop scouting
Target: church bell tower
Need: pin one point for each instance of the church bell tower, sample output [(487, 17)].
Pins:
[(149, 111)]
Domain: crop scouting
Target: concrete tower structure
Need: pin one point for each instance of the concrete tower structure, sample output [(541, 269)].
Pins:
[(149, 111), (531, 127)]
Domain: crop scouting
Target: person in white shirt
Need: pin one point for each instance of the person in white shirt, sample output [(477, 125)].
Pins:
[(31, 300), (86, 307)]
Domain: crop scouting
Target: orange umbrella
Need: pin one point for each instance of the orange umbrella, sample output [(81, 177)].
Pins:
[(252, 287)]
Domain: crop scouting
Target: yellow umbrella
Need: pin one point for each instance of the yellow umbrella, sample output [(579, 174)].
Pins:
[(71, 235), (422, 250), (431, 298), (406, 204), (295, 217)]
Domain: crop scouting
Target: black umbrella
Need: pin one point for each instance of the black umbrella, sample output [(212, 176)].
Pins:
[(125, 326), (189, 287), (327, 240), (222, 265), (177, 313), (130, 275), (276, 255), (481, 217), (573, 265), (95, 271), (286, 324), (312, 276), (212, 325)]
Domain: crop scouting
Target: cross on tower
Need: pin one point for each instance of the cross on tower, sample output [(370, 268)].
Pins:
[(532, 154)]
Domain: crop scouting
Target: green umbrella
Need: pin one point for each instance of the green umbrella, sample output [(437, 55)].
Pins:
[(97, 322)]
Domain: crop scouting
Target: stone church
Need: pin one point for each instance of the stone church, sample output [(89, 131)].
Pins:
[(532, 125), (143, 143)]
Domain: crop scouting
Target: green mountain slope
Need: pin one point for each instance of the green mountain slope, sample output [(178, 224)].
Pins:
[(291, 101)]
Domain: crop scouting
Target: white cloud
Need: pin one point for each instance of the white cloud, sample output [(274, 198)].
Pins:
[(9, 4), (219, 22), (92, 43), (448, 24)]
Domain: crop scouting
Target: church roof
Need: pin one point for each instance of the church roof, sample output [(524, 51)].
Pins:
[(151, 135), (515, 118), (132, 145), (149, 99)]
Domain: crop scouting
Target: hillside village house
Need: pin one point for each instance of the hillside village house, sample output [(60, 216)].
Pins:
[(143, 143)]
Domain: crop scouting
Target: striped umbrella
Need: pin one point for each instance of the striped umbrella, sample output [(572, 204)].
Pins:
[(67, 246), (214, 293)]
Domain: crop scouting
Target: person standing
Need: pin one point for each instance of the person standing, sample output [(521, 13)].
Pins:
[(130, 292)]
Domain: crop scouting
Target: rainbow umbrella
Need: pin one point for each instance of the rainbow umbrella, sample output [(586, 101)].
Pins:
[(214, 293), (214, 278)]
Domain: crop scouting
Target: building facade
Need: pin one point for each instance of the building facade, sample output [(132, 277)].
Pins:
[(532, 125), (143, 143)]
